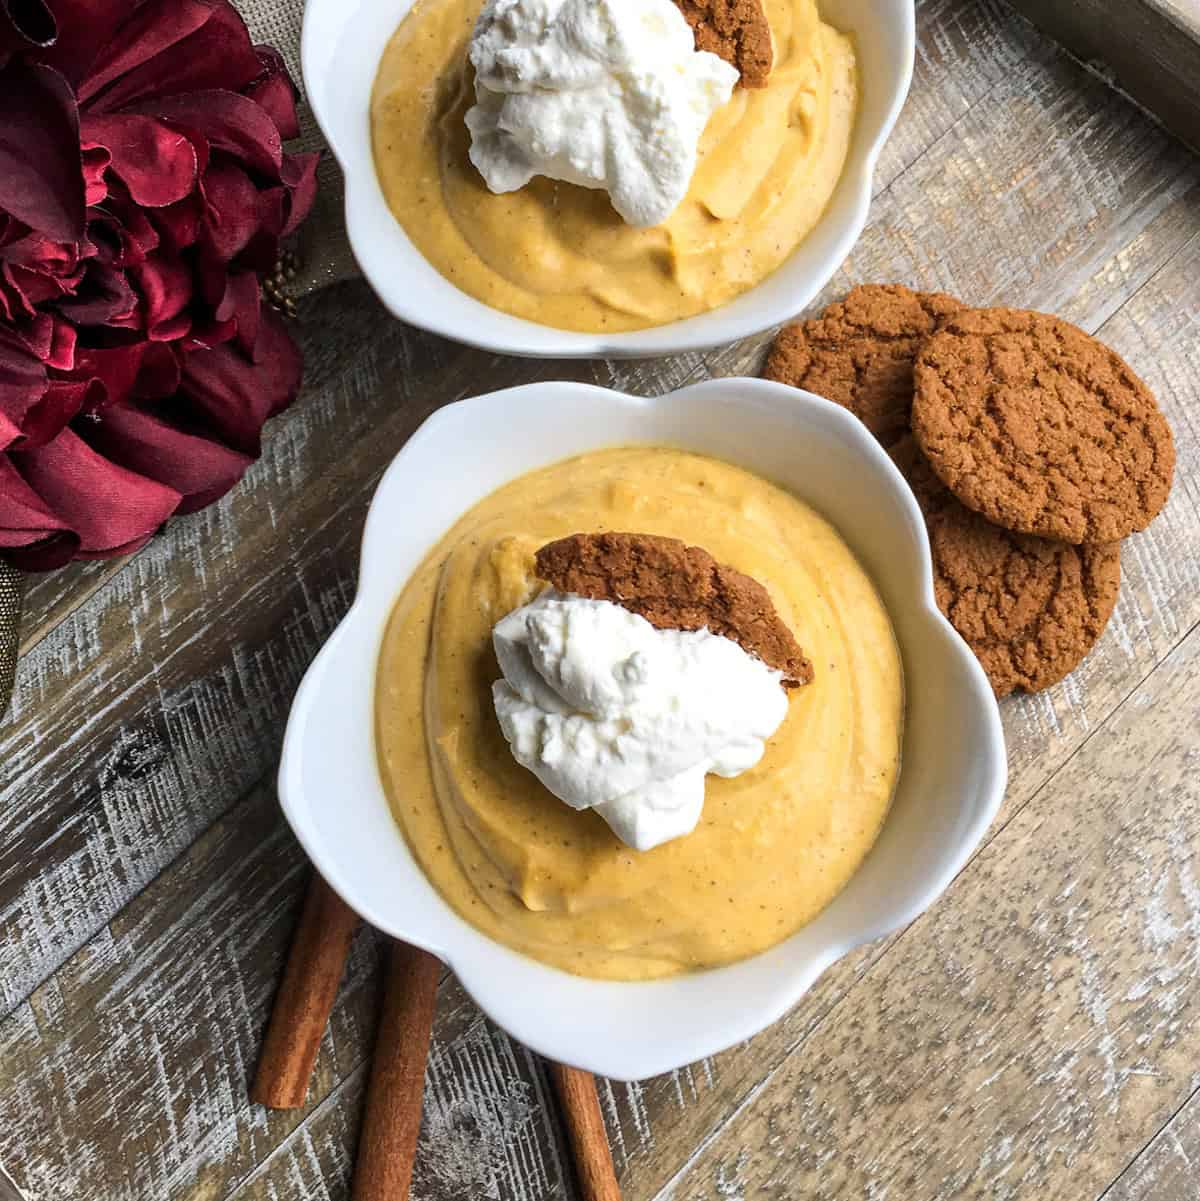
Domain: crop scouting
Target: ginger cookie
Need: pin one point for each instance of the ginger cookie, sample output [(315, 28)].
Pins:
[(735, 30), (1030, 608), (1040, 427), (859, 352), (675, 587)]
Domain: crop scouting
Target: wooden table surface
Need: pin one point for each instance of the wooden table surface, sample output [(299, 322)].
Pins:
[(1036, 1034)]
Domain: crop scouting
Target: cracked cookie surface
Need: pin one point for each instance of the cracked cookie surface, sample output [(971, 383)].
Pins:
[(735, 30), (1041, 428), (675, 587), (1030, 608), (859, 352)]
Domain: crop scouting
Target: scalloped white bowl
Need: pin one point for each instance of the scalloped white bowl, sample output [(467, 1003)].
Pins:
[(954, 766), (340, 51)]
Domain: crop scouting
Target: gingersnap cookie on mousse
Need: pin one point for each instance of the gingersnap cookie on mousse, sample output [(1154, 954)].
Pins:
[(1041, 428), (675, 587), (1030, 608), (859, 352), (735, 30)]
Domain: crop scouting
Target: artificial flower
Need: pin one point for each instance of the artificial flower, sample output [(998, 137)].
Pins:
[(144, 191)]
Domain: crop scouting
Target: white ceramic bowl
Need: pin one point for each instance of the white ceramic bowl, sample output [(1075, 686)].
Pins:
[(340, 51), (953, 773)]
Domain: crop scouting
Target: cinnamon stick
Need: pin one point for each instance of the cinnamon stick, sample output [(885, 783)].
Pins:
[(388, 1143), (585, 1128), (315, 965)]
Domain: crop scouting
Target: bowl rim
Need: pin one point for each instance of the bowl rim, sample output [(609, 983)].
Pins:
[(493, 330), (462, 954)]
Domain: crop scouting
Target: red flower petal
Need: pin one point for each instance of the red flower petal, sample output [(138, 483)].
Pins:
[(84, 27), (299, 173), (22, 385), (104, 297), (61, 354), (262, 251), (33, 538), (156, 163), (61, 404), (145, 370), (242, 304), (274, 92), (95, 163), (179, 223), (40, 180), (159, 374), (165, 285), (34, 287), (227, 122), (114, 369), (51, 340), (168, 47), (207, 335), (237, 395), (15, 305), (31, 20), (231, 213), (40, 253), (124, 236), (112, 509), (201, 469)]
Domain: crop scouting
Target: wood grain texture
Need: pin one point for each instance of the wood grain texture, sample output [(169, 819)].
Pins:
[(8, 1190), (1168, 1167), (148, 889), (1151, 48)]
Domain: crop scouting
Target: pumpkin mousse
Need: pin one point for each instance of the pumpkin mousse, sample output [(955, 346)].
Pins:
[(632, 754), (610, 165)]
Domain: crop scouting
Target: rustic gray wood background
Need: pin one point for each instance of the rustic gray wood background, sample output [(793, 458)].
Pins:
[(1037, 1034)]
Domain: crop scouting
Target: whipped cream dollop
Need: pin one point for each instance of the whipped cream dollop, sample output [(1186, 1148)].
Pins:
[(614, 715), (607, 94)]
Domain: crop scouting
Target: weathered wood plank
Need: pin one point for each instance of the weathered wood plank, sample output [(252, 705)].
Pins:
[(131, 1025), (1030, 1033), (158, 1020), (963, 51), (1169, 1168), (1151, 48), (50, 598)]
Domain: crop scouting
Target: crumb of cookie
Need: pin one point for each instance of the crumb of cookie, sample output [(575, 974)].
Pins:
[(1030, 608), (735, 30), (1040, 427), (859, 352), (675, 587)]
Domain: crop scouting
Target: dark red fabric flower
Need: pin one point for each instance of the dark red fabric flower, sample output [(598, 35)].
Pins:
[(144, 191)]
